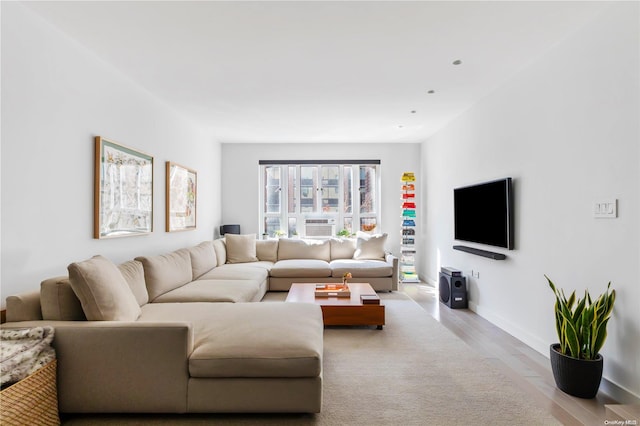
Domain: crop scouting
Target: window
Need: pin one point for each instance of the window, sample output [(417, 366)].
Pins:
[(322, 197)]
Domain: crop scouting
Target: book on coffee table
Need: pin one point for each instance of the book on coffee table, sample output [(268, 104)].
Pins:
[(369, 299), (332, 290)]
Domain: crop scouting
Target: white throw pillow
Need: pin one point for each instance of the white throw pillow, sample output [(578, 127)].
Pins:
[(370, 246), (103, 291), (241, 248)]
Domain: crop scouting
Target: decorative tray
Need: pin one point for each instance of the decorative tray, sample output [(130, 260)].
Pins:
[(332, 290)]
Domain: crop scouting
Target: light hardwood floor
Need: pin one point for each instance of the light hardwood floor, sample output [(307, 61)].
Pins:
[(526, 367)]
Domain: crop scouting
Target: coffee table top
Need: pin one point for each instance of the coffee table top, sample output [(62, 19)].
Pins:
[(305, 293)]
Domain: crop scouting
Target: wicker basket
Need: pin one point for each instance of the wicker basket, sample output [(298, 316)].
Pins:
[(31, 401)]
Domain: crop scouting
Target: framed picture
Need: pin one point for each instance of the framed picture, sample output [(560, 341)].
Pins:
[(123, 191), (182, 185)]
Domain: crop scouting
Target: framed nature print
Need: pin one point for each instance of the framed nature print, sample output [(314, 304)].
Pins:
[(181, 198), (123, 191)]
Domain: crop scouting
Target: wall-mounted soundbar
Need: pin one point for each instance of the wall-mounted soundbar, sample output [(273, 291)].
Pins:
[(483, 253)]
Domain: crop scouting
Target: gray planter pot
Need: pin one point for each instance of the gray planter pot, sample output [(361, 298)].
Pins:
[(577, 377)]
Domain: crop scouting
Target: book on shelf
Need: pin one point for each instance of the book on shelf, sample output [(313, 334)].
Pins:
[(408, 177)]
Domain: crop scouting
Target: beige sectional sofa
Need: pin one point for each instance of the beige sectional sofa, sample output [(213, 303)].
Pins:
[(178, 332)]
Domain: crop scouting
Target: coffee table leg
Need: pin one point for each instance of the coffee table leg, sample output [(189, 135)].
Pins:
[(380, 327)]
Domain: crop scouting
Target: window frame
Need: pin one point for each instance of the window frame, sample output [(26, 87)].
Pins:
[(298, 216)]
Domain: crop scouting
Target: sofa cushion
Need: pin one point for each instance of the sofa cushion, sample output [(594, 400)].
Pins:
[(241, 248), (133, 273), (237, 271), (267, 250), (292, 248), (275, 339), (342, 248), (241, 343), (165, 272), (311, 268), (262, 264), (203, 258), (370, 247), (221, 251), (103, 291), (213, 291), (361, 268), (59, 302)]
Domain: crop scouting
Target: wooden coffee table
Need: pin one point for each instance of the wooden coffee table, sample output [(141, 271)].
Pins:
[(341, 310)]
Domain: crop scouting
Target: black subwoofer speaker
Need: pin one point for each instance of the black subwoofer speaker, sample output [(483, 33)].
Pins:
[(453, 291)]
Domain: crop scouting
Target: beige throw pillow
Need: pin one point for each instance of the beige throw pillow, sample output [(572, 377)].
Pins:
[(241, 248), (370, 247), (103, 291)]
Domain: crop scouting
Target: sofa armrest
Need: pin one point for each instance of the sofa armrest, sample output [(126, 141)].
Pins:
[(393, 260), (24, 307), (110, 366), (115, 366)]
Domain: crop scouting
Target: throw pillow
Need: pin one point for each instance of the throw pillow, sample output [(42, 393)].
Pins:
[(103, 291), (241, 248), (370, 247)]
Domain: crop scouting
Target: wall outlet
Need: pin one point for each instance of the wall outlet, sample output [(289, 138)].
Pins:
[(475, 274)]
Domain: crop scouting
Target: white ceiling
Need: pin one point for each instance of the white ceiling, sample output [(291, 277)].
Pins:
[(319, 71)]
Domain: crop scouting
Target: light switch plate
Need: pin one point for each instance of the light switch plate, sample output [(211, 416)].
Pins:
[(605, 208)]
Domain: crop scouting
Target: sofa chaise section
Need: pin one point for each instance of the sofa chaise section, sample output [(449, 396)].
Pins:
[(251, 357)]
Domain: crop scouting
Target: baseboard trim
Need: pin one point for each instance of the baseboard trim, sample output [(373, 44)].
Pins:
[(612, 389), (619, 393)]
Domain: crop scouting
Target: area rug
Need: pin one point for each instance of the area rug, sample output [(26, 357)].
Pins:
[(413, 372)]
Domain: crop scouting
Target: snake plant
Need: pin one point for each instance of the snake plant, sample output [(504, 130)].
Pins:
[(581, 324)]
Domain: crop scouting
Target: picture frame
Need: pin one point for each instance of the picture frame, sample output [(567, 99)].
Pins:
[(181, 197), (123, 191)]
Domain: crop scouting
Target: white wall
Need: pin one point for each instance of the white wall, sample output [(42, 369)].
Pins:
[(566, 129), (56, 96), (240, 176)]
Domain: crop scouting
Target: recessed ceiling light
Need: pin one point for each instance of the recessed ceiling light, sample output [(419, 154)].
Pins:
[(457, 62)]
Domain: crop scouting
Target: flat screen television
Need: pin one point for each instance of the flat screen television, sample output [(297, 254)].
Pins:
[(483, 213)]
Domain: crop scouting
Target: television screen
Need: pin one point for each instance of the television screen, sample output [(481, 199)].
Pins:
[(483, 213)]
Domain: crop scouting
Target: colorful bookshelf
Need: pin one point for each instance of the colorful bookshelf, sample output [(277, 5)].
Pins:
[(408, 272)]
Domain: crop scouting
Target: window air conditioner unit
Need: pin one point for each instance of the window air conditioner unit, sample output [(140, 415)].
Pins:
[(319, 227)]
